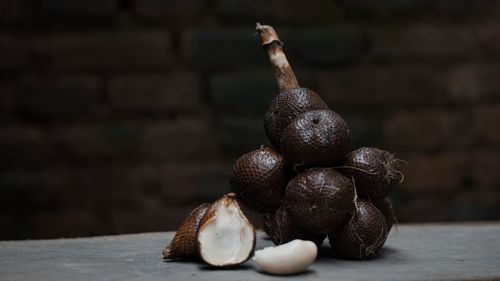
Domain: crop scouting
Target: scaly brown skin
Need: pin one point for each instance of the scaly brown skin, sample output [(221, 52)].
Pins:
[(386, 208), (183, 245), (285, 107), (280, 228), (318, 138), (259, 179), (362, 236), (375, 172), (292, 99), (319, 199)]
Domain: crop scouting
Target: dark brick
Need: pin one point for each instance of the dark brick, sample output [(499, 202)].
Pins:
[(238, 134), (366, 129), (486, 123), (476, 205), (15, 51), (473, 82), (452, 9), (427, 130), (111, 50), (243, 92), (17, 187), (26, 192), (159, 219), (115, 185), (200, 182), (483, 170), (67, 224), (7, 104), (484, 10), (135, 186), (180, 139), (103, 142), (13, 11), (175, 91), (489, 39), (58, 96), (9, 228), (326, 45), (441, 173), (424, 209), (175, 12), (79, 8), (320, 46), (25, 146), (222, 48), (6, 92), (383, 9), (422, 41), (409, 10), (279, 11), (378, 86)]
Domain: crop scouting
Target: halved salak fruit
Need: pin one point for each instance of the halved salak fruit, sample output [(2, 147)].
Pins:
[(183, 245), (225, 235)]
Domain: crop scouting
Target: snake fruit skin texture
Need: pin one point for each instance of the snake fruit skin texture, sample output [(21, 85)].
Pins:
[(387, 210), (184, 243), (319, 199), (285, 107), (280, 228), (363, 235), (375, 172), (316, 138), (259, 179)]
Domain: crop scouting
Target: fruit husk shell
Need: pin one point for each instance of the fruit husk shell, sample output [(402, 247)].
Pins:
[(318, 138), (259, 179), (375, 171), (183, 245), (362, 235), (280, 228), (319, 199), (387, 210), (227, 199), (285, 107)]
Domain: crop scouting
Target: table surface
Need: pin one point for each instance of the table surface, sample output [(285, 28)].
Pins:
[(412, 252)]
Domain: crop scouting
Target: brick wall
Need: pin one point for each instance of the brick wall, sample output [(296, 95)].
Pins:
[(119, 116)]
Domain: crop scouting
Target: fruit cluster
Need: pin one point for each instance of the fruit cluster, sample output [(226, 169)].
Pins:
[(309, 185)]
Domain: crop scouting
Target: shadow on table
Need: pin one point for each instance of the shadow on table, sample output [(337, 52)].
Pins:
[(305, 273), (240, 267), (325, 253)]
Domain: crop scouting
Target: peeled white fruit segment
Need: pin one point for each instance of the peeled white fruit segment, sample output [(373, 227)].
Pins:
[(226, 237), (289, 258)]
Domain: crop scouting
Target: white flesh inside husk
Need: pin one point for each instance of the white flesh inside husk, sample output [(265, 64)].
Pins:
[(289, 258), (228, 238)]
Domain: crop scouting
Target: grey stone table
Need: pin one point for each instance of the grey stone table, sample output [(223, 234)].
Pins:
[(413, 252)]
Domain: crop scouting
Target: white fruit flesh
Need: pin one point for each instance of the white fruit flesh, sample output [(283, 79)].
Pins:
[(227, 238), (289, 258)]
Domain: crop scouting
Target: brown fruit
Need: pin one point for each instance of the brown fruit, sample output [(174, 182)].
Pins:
[(318, 200), (183, 245), (386, 208), (225, 236), (375, 171), (363, 234), (285, 107), (281, 229), (316, 138), (259, 179)]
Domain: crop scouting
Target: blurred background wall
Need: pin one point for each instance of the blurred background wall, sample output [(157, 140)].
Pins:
[(120, 116)]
